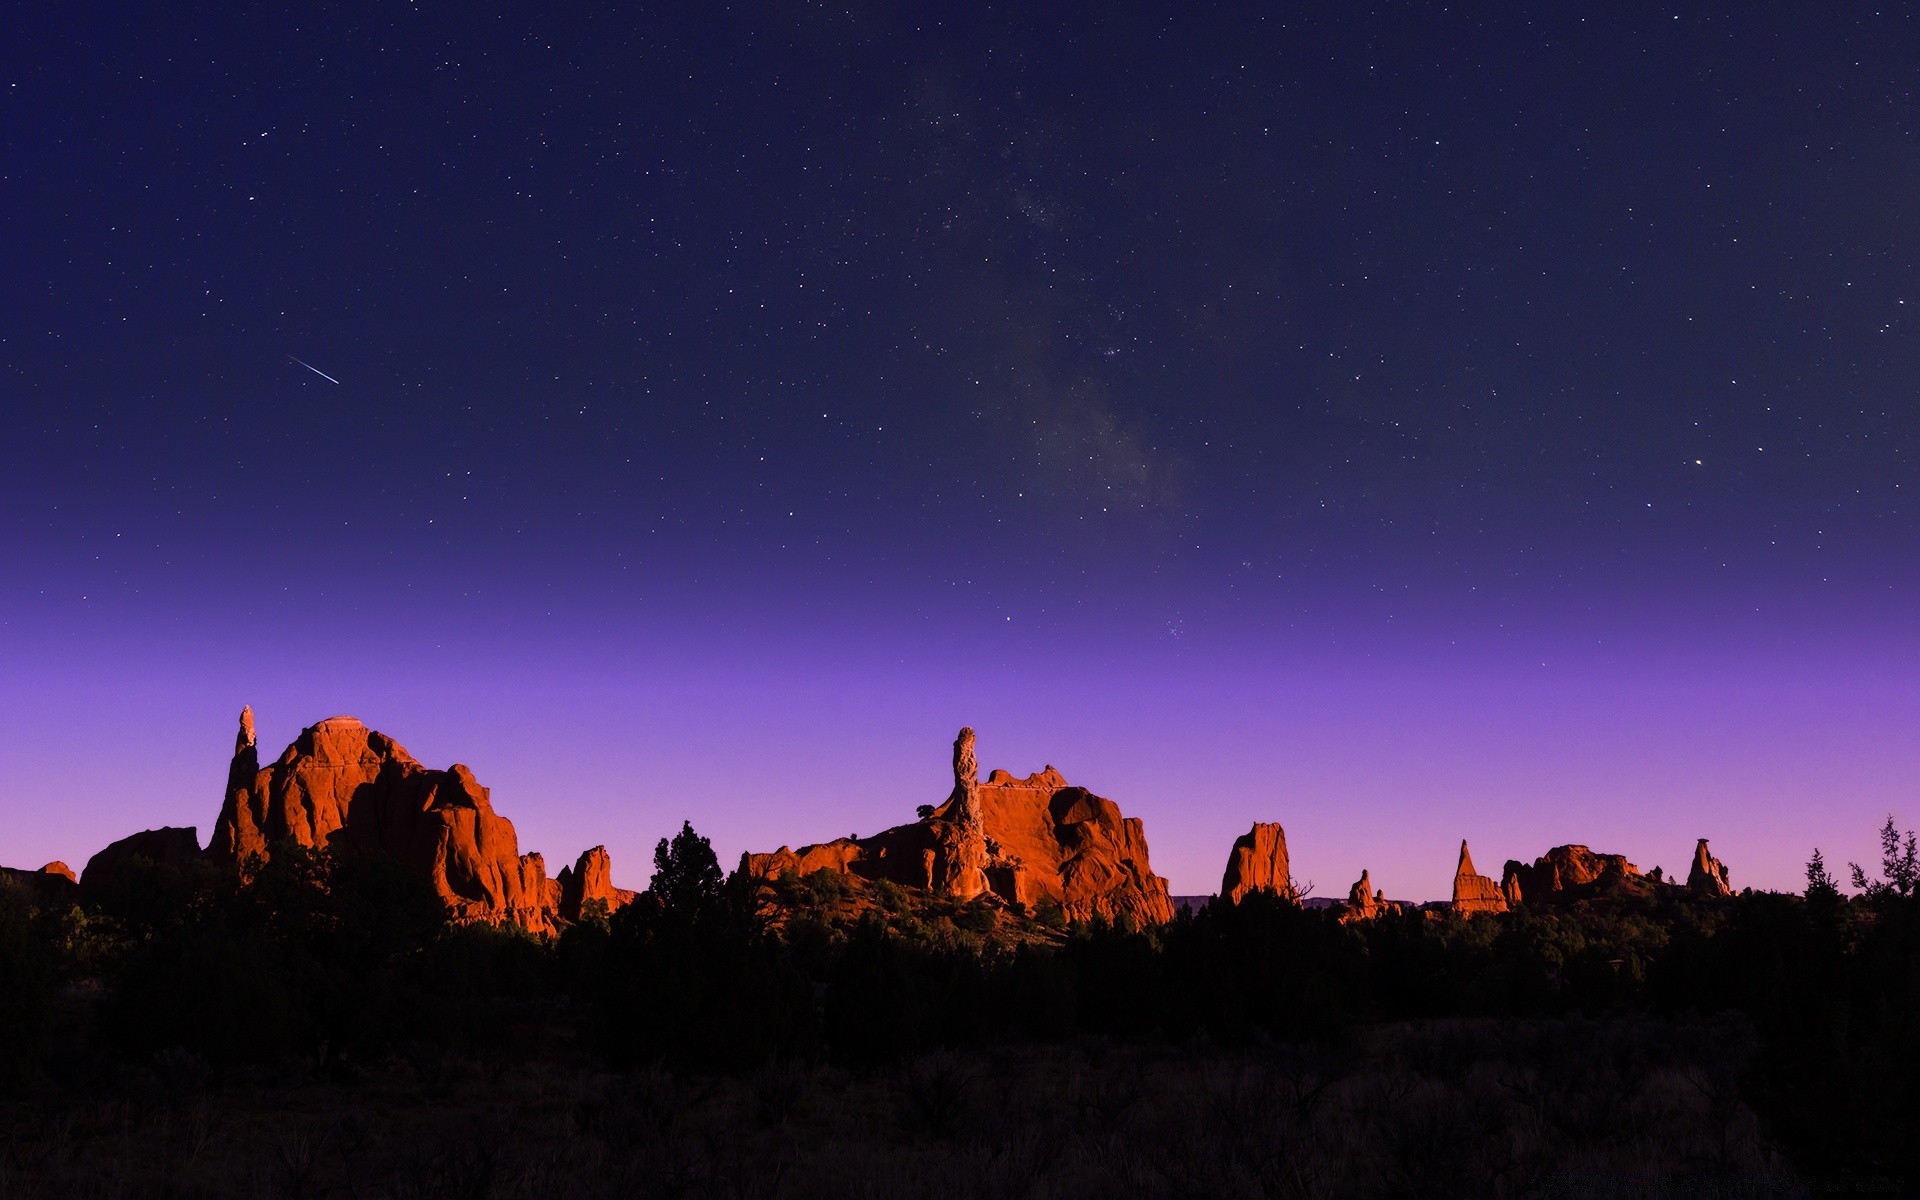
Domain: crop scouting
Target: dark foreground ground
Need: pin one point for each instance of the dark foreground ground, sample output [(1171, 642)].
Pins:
[(1623, 1108)]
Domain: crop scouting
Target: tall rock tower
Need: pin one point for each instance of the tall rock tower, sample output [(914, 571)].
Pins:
[(1473, 892), (964, 865)]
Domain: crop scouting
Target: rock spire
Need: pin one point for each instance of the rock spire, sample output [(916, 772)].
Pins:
[(1709, 875), (1472, 892)]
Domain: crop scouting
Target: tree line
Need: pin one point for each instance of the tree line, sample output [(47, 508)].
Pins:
[(330, 959)]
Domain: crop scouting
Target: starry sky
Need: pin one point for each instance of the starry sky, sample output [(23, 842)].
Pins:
[(1403, 421)]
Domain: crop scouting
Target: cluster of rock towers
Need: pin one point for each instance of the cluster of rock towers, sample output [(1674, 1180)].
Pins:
[(1029, 842)]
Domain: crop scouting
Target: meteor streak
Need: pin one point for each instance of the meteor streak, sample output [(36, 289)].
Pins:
[(316, 370)]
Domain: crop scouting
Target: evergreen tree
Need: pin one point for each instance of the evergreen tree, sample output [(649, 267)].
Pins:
[(1820, 885), (686, 872)]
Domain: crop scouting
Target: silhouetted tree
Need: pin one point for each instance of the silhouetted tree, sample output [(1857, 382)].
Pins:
[(686, 872), (1899, 865), (1820, 885)]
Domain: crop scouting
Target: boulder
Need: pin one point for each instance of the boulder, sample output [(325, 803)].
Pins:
[(341, 782), (1709, 876), (1258, 862), (1474, 893), (589, 879), (1023, 840), (1568, 872)]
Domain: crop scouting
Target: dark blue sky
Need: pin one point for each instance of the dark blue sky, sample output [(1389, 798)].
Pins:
[(1507, 361)]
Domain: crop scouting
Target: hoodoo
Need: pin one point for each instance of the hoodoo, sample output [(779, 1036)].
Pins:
[(1709, 875), (1363, 903), (1258, 862), (1023, 840), (1474, 893)]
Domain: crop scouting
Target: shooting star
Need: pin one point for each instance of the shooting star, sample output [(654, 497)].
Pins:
[(316, 370)]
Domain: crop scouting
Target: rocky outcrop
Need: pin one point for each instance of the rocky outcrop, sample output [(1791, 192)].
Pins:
[(168, 847), (1474, 893), (588, 880), (1363, 903), (1568, 872), (1022, 840), (1709, 876), (343, 783), (51, 885), (1257, 863)]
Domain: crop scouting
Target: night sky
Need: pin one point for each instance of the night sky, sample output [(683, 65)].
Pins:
[(1406, 423)]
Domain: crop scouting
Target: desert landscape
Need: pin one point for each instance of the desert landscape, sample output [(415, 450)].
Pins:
[(362, 986), (790, 600)]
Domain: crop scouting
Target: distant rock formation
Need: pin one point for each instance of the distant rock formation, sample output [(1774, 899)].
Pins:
[(1709, 876), (1258, 862), (588, 880), (167, 847), (1363, 903), (1473, 893), (1568, 872), (52, 884), (1022, 840), (342, 782)]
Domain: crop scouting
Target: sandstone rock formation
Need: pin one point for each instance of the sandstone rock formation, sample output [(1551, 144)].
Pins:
[(52, 884), (1363, 903), (1473, 893), (1023, 840), (588, 880), (342, 782), (1258, 862), (1709, 875), (169, 847), (1568, 872)]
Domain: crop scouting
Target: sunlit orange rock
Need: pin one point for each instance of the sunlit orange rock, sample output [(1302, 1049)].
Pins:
[(1258, 862), (589, 879), (1024, 840), (1474, 893), (341, 781), (1709, 875), (1363, 903), (1567, 872), (52, 884)]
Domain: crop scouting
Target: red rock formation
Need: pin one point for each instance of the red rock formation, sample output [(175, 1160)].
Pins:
[(52, 884), (1567, 872), (1709, 875), (1363, 903), (169, 847), (1024, 840), (340, 780), (588, 880), (1258, 862), (1474, 893)]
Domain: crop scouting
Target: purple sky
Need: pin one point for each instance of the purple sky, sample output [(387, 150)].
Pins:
[(1374, 748)]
